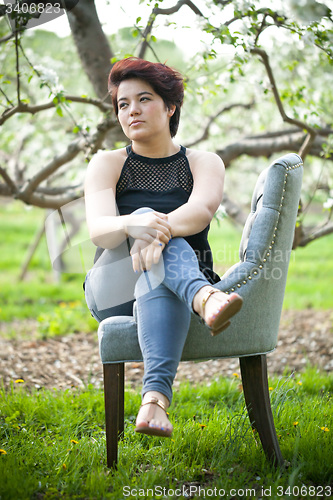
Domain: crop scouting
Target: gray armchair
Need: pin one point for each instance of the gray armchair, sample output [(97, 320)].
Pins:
[(260, 278)]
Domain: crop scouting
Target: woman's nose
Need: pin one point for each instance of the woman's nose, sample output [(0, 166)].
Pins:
[(134, 109)]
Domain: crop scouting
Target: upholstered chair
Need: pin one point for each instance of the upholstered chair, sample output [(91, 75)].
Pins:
[(260, 278)]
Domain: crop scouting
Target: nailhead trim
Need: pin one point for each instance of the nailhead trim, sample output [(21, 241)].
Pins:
[(255, 272)]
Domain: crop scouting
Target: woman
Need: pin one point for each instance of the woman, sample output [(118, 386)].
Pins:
[(152, 203)]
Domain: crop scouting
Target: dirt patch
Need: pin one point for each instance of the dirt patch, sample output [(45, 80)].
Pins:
[(305, 337)]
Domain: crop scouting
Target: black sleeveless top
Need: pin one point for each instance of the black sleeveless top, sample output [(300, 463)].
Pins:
[(163, 184)]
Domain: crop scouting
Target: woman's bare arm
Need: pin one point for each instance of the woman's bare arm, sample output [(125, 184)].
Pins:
[(107, 228), (208, 175)]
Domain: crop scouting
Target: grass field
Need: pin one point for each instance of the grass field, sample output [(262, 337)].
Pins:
[(52, 443)]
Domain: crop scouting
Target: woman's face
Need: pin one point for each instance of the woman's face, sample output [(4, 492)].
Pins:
[(142, 113)]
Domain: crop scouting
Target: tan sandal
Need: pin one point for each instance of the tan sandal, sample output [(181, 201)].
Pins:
[(229, 308), (150, 430)]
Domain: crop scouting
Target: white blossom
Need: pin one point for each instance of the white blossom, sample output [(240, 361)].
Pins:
[(328, 205)]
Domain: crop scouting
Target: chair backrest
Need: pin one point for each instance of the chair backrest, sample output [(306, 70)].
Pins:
[(259, 277)]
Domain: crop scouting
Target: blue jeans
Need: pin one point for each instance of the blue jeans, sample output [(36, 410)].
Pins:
[(164, 297)]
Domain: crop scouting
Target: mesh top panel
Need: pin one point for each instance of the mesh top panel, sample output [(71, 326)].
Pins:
[(155, 174)]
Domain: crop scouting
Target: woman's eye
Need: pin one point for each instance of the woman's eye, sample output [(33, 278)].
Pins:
[(144, 99), (122, 105)]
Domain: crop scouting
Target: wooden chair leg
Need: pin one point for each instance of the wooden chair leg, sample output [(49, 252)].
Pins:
[(114, 409), (121, 399), (256, 393)]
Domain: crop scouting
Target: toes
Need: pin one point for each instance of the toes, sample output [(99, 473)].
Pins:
[(159, 424)]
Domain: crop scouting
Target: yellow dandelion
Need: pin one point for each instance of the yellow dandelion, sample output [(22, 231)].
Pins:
[(64, 466), (235, 375), (3, 452), (74, 303), (202, 426), (325, 429), (62, 304), (299, 383), (74, 442), (295, 424), (19, 381), (270, 388)]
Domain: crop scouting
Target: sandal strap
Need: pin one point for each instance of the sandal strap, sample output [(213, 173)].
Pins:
[(207, 296), (155, 401)]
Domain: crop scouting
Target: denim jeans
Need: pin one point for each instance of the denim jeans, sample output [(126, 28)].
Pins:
[(164, 297)]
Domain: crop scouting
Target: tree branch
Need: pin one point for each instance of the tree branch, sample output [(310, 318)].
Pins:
[(175, 8), (90, 145), (8, 180), (265, 59), (18, 88), (233, 210), (54, 191), (267, 145), (164, 12), (225, 109), (315, 235), (26, 192), (25, 108), (55, 202), (312, 133)]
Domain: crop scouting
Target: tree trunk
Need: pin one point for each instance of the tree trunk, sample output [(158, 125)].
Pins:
[(92, 45), (95, 54)]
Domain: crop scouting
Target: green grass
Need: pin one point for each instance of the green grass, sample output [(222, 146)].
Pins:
[(54, 443)]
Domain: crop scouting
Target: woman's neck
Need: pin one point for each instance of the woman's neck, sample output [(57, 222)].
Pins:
[(154, 149)]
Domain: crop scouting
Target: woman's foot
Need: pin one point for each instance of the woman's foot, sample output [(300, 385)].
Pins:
[(216, 307), (152, 418)]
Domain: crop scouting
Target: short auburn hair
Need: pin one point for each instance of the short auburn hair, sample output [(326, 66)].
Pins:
[(166, 82)]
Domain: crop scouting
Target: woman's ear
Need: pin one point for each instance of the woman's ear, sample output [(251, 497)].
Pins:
[(171, 110)]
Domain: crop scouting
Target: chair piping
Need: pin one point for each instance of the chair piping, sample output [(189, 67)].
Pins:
[(259, 268)]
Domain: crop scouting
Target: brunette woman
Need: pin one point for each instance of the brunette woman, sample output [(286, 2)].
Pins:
[(149, 207)]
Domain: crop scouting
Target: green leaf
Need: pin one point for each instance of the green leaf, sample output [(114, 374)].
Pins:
[(59, 111)]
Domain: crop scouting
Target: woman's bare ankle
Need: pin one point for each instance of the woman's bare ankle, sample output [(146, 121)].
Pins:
[(198, 298), (208, 309), (155, 394), (159, 419)]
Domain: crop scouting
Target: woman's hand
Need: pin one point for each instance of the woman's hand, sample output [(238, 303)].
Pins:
[(144, 254), (149, 227)]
